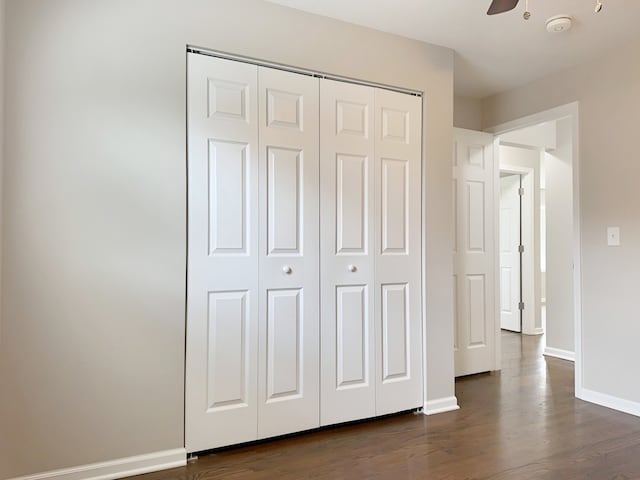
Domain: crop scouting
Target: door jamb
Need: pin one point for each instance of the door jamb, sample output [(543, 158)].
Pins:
[(570, 110)]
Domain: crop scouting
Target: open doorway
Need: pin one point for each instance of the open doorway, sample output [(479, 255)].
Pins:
[(547, 292), (516, 243), (550, 258)]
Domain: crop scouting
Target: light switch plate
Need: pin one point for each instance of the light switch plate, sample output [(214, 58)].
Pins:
[(613, 236)]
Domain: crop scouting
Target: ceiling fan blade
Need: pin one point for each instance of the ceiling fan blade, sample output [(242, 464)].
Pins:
[(501, 6)]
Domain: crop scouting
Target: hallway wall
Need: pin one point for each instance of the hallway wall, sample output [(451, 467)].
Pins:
[(559, 215)]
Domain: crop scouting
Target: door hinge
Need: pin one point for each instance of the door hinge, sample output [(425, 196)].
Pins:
[(521, 306), (521, 191), (521, 248)]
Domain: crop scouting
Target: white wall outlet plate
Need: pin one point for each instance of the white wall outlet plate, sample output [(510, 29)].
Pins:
[(613, 236)]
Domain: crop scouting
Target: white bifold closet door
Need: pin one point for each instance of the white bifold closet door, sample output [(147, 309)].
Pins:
[(289, 343), (304, 199), (221, 392), (253, 285), (347, 187), (398, 147), (370, 251)]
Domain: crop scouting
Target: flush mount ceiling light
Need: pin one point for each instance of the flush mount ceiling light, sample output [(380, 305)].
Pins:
[(559, 23), (502, 6)]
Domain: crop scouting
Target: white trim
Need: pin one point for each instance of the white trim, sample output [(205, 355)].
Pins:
[(440, 405), (559, 353), (571, 110), (122, 467), (538, 331), (423, 251), (609, 401), (497, 321)]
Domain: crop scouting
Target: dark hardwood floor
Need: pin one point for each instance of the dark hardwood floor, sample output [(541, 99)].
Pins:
[(522, 423)]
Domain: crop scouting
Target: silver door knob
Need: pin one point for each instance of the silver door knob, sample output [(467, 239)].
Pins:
[(287, 269), (352, 268)]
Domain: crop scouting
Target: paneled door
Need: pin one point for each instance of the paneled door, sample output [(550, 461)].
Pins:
[(288, 386), (510, 233), (398, 320), (347, 252), (222, 297), (474, 262), (304, 252)]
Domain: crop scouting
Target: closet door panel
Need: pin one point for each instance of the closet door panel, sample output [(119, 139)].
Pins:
[(222, 288), (347, 251), (398, 151), (288, 379)]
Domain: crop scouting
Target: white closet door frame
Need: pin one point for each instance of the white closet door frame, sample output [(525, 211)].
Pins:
[(347, 252), (221, 405), (398, 248), (289, 343)]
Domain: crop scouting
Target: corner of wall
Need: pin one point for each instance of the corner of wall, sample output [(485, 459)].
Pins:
[(467, 112)]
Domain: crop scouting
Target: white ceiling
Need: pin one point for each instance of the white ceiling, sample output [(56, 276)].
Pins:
[(499, 52)]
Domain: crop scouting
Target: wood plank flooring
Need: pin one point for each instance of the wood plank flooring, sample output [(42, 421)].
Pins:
[(522, 423)]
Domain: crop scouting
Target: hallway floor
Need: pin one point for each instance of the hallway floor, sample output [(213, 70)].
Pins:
[(522, 423)]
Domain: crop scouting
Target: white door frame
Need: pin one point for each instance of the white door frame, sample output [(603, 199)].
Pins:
[(571, 110), (527, 273)]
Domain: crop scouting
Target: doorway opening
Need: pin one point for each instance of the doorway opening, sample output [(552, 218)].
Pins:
[(541, 151), (549, 296), (516, 242)]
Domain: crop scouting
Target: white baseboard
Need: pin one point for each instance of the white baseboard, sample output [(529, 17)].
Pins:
[(538, 331), (441, 405), (558, 353), (604, 400), (122, 467)]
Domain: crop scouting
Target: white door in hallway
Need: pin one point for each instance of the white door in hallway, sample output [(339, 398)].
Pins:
[(474, 262), (289, 344), (221, 404), (510, 234)]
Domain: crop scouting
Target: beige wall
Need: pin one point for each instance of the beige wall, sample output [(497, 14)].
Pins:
[(467, 113), (559, 215), (609, 94), (2, 32), (91, 360)]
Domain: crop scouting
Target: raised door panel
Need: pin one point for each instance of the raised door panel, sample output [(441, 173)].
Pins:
[(228, 198), (395, 206), (221, 405), (346, 243), (288, 380), (352, 337), (284, 196), (477, 312), (476, 228), (396, 333), (474, 267), (284, 344), (352, 206), (398, 317), (227, 380)]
